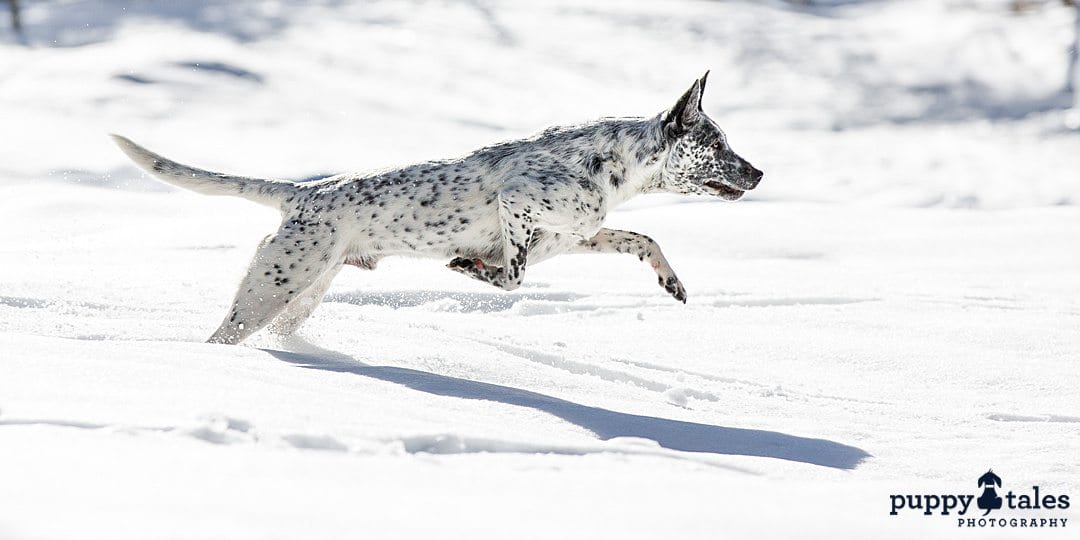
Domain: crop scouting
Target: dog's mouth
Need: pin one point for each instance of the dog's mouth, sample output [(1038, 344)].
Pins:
[(723, 190)]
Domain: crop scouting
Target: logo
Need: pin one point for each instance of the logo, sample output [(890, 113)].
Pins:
[(989, 500), (1027, 508)]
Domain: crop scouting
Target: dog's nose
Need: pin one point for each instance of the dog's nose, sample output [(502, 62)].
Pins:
[(755, 176)]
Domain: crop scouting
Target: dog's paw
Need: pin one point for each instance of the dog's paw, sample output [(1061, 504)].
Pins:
[(461, 264), (674, 287)]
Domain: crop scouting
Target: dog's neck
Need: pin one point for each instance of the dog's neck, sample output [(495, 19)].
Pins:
[(639, 153)]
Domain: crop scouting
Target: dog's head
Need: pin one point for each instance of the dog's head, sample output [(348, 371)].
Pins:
[(701, 160)]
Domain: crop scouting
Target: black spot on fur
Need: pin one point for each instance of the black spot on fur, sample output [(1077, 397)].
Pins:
[(616, 180), (593, 164)]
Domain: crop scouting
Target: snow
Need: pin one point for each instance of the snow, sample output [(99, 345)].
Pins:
[(894, 310)]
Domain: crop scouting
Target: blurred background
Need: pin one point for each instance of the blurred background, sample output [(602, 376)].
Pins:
[(951, 103)]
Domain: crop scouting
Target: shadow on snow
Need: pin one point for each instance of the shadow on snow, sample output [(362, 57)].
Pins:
[(606, 424)]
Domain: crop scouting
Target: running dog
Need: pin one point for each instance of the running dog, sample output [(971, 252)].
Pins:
[(491, 212)]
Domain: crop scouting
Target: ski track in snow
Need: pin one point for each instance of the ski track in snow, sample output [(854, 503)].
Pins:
[(224, 430)]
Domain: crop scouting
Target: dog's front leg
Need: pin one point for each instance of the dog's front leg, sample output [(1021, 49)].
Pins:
[(518, 224), (646, 249)]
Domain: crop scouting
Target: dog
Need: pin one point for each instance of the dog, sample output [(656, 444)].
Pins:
[(492, 212)]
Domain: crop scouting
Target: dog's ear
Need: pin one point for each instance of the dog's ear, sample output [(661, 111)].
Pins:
[(687, 111)]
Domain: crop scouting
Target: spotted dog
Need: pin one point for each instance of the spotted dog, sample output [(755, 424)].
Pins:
[(492, 212)]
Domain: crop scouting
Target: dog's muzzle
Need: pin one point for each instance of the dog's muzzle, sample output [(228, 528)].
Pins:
[(731, 190)]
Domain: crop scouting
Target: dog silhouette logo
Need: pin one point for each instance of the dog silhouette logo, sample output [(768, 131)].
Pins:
[(989, 499)]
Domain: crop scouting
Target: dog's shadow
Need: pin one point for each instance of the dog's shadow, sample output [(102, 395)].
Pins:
[(606, 424)]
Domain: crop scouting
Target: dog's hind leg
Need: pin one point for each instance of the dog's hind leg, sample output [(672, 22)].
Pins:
[(283, 269), (301, 307), (518, 227), (646, 249)]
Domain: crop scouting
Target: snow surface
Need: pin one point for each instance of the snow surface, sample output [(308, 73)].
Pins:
[(895, 309)]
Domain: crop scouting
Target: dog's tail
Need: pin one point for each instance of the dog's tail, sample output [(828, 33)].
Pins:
[(269, 192)]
